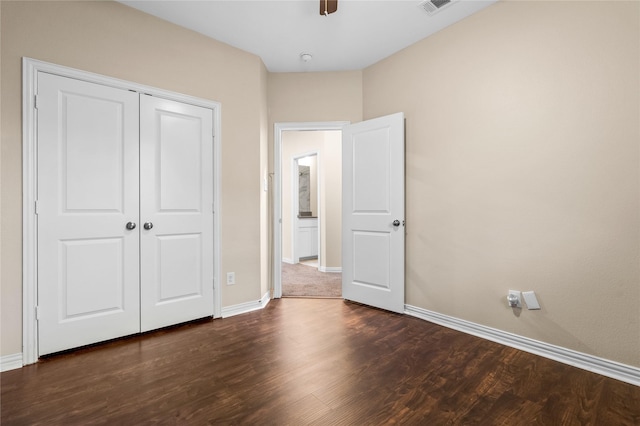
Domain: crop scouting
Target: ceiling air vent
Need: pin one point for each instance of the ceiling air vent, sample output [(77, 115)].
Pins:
[(434, 6)]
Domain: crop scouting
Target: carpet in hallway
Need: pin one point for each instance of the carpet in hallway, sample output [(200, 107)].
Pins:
[(306, 281)]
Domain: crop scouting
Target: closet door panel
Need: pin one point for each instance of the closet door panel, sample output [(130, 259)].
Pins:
[(176, 204), (179, 170), (88, 289)]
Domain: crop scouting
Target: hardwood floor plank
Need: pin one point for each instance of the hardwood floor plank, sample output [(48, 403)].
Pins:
[(310, 362), (618, 404)]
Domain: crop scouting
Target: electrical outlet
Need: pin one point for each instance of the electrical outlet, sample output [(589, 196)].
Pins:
[(231, 278), (514, 299)]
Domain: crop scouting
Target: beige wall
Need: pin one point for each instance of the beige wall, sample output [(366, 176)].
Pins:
[(327, 96), (522, 169), (331, 209), (313, 185), (117, 41), (305, 97), (328, 145)]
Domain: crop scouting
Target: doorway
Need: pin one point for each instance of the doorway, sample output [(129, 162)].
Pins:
[(307, 222), (372, 253), (303, 197)]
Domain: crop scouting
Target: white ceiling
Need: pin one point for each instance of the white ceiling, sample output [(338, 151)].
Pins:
[(359, 34)]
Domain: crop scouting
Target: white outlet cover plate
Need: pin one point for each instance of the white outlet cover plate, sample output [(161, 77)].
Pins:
[(531, 300), (231, 278)]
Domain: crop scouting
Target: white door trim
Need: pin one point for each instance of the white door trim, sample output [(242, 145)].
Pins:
[(277, 190), (30, 70)]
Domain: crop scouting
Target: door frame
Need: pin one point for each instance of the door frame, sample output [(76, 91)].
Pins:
[(295, 203), (30, 69), (278, 128)]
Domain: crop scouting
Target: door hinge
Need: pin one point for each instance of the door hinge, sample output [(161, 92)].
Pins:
[(37, 313), (35, 101), (37, 207)]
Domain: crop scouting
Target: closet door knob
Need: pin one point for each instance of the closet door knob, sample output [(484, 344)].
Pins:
[(131, 225), (396, 222), (148, 225)]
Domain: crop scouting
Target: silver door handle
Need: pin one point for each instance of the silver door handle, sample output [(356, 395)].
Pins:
[(131, 225), (396, 223), (148, 225)]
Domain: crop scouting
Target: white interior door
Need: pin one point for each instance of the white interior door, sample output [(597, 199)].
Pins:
[(176, 193), (373, 212), (87, 192)]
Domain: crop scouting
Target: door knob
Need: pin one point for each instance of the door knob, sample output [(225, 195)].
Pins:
[(148, 225), (131, 225), (396, 222)]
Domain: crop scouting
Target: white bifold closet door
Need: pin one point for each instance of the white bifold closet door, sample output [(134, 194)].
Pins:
[(109, 162)]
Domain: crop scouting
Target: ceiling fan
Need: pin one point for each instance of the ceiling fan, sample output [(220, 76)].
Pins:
[(328, 6)]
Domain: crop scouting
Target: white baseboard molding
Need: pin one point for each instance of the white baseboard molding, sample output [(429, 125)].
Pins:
[(266, 298), (335, 269), (605, 367), (287, 260), (243, 308), (10, 362)]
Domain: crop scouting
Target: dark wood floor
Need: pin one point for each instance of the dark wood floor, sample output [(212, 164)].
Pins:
[(311, 361)]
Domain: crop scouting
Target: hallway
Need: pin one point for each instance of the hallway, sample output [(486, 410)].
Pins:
[(304, 280)]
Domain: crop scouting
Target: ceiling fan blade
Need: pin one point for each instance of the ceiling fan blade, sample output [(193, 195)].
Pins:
[(328, 6)]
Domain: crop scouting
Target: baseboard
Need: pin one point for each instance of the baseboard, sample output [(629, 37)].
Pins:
[(335, 269), (10, 362), (287, 260), (605, 367), (266, 298), (243, 308)]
